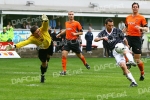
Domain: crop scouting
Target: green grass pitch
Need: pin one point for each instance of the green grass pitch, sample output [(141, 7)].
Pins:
[(20, 80)]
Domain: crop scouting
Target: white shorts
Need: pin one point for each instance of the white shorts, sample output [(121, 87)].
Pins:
[(119, 57)]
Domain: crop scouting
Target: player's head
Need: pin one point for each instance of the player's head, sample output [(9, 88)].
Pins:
[(109, 24), (71, 15), (135, 7), (35, 31)]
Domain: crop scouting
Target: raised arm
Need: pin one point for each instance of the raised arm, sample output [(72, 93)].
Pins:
[(62, 33), (45, 24)]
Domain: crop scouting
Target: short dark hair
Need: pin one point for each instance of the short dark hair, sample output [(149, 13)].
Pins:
[(33, 29), (108, 20), (70, 11), (135, 3)]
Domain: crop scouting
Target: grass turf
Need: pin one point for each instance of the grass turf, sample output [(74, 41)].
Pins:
[(20, 80)]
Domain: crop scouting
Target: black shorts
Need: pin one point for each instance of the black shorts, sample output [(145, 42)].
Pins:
[(136, 43), (43, 53), (73, 45)]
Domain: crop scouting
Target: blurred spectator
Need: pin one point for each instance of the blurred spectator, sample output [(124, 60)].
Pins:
[(121, 25), (103, 27), (4, 35), (54, 35), (89, 39), (13, 26), (28, 26), (36, 24), (59, 42), (59, 26), (54, 40), (90, 27), (23, 26), (53, 23), (10, 31), (50, 31), (9, 24), (80, 41)]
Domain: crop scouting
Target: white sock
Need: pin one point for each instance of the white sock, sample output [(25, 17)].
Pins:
[(131, 78), (81, 48), (54, 49), (130, 57)]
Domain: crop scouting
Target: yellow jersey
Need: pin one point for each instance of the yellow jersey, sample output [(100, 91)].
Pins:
[(43, 42)]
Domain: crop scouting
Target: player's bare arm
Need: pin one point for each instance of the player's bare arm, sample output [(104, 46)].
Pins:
[(98, 39), (62, 33), (78, 33), (145, 29)]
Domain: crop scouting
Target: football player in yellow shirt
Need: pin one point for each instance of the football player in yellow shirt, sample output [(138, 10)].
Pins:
[(41, 38)]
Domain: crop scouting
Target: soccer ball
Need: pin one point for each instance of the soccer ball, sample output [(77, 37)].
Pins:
[(119, 47)]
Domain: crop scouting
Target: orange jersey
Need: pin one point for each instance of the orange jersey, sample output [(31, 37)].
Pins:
[(72, 27), (132, 21)]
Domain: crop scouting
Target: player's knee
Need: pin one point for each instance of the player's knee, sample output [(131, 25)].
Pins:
[(79, 55), (138, 60), (64, 54), (44, 64), (121, 64), (64, 57)]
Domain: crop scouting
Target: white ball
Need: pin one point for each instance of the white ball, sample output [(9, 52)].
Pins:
[(119, 47)]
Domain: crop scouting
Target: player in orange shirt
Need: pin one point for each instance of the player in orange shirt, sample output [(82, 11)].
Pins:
[(41, 38), (73, 30), (135, 25)]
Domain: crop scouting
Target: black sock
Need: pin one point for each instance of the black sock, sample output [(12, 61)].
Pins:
[(46, 68), (43, 69)]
